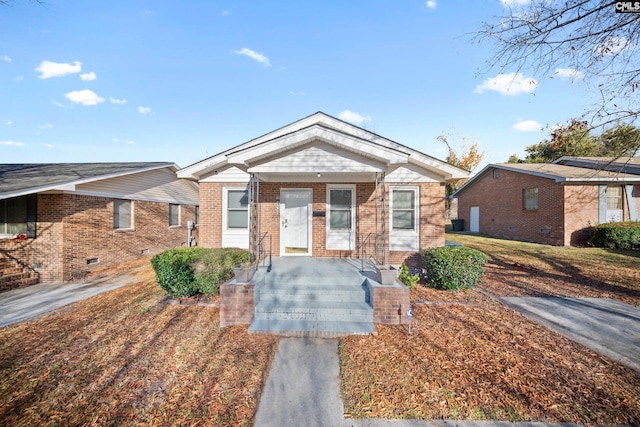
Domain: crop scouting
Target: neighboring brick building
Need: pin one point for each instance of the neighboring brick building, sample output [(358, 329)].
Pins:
[(321, 187), (556, 204), (60, 221)]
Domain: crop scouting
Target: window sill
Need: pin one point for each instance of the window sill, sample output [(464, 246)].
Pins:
[(123, 230)]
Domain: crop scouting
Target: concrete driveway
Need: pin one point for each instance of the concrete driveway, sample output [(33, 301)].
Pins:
[(606, 326), (27, 303)]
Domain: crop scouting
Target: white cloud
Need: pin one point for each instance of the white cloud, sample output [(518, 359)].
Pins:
[(11, 143), (297, 93), (613, 46), (84, 97), (117, 101), (508, 84), (48, 145), (46, 126), (226, 12), (253, 55), (130, 142), (57, 104), (569, 73), (19, 78), (353, 117), (144, 110), (50, 69), (527, 126), (6, 58), (8, 122), (87, 77), (511, 3), (432, 4)]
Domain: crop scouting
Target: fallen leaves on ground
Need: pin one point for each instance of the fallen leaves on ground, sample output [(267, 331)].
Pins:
[(127, 358), (469, 356)]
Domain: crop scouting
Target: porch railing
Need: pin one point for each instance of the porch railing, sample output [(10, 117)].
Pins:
[(370, 248), (262, 251)]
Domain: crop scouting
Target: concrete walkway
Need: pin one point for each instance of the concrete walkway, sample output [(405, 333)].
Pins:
[(303, 389), (606, 326), (22, 304)]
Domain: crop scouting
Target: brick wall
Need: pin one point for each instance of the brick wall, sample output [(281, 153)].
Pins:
[(391, 304), (44, 253), (236, 304), (431, 217), (500, 203), (72, 229)]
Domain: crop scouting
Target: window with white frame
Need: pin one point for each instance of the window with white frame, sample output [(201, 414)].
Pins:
[(403, 205), (530, 199), (404, 233), (174, 215), (237, 209), (340, 208), (122, 214)]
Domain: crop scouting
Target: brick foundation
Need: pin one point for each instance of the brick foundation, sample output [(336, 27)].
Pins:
[(236, 304)]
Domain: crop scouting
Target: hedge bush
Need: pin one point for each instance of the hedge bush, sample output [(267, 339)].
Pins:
[(454, 268), (617, 235), (184, 272)]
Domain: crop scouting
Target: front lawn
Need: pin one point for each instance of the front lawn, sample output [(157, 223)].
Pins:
[(127, 358), (471, 357)]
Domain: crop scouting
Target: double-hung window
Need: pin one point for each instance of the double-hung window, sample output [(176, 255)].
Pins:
[(530, 199), (405, 233), (404, 210), (174, 215), (237, 209), (341, 209), (122, 214)]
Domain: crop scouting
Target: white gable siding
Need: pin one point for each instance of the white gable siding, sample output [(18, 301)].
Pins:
[(323, 158), (159, 185), (229, 174), (412, 174)]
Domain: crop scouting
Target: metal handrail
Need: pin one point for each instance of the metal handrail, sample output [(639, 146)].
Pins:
[(261, 251)]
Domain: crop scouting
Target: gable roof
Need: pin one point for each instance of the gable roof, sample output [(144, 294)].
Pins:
[(615, 164), (328, 131), (556, 172), (22, 179)]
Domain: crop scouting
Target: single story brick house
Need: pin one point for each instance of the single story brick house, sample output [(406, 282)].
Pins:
[(322, 187), (62, 220), (555, 203)]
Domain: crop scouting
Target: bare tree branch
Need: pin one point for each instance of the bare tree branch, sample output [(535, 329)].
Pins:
[(585, 35)]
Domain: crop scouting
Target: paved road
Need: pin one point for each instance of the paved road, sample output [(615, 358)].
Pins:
[(27, 303), (607, 326)]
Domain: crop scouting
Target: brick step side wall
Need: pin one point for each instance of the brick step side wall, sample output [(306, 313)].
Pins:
[(13, 275)]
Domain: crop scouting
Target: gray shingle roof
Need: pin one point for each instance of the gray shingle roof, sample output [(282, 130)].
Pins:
[(30, 178)]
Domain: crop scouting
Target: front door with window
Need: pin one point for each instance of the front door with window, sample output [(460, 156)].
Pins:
[(295, 222)]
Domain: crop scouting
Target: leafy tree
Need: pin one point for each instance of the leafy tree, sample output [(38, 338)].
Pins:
[(598, 44), (575, 139), (469, 158)]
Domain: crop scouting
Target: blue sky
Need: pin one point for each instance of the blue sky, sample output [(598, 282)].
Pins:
[(139, 80)]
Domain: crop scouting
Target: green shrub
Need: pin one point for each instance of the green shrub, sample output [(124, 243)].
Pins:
[(184, 272), (407, 278), (617, 235), (454, 268)]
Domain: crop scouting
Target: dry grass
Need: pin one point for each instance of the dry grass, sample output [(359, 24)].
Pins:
[(127, 358), (474, 358)]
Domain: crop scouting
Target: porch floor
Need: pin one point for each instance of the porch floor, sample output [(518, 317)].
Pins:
[(320, 297)]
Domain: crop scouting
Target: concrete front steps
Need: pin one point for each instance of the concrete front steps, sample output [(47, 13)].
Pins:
[(13, 275), (329, 302)]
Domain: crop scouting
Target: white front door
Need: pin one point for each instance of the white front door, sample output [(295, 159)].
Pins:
[(295, 222), (474, 219)]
